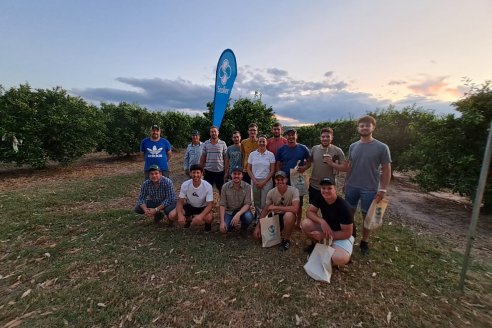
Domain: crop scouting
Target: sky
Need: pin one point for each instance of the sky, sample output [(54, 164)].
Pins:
[(311, 61)]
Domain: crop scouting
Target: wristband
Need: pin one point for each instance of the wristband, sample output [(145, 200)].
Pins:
[(383, 190)]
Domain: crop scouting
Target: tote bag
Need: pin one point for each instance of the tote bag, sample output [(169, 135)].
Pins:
[(318, 265), (270, 231), (374, 217), (299, 180)]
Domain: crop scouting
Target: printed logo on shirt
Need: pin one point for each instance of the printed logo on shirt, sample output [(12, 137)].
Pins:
[(195, 194), (154, 152)]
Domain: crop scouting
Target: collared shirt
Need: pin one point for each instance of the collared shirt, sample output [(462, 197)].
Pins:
[(260, 163), (192, 155), (162, 193), (233, 199)]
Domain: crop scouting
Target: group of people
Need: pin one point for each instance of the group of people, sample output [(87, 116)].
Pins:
[(253, 179)]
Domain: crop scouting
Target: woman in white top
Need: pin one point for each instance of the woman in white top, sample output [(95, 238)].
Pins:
[(261, 166)]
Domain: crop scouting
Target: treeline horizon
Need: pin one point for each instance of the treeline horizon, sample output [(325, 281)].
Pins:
[(443, 151)]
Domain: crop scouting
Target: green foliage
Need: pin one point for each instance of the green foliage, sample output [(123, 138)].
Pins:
[(49, 124), (126, 125), (394, 129), (448, 151), (344, 133), (243, 112)]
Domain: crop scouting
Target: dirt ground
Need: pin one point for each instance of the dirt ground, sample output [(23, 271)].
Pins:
[(437, 214)]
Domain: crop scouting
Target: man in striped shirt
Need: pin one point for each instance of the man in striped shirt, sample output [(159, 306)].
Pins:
[(212, 160), (157, 196)]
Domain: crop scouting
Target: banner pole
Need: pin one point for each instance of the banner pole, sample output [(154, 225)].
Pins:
[(476, 207)]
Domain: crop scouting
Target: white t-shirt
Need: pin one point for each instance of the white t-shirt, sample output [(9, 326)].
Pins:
[(260, 163), (196, 197)]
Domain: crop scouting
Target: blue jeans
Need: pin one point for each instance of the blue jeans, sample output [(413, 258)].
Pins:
[(246, 219), (154, 204), (353, 195)]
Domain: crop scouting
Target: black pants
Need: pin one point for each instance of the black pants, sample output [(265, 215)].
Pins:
[(215, 177)]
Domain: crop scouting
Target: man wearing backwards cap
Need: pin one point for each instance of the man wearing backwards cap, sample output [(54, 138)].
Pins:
[(336, 222), (284, 201), (193, 152), (156, 151), (157, 196)]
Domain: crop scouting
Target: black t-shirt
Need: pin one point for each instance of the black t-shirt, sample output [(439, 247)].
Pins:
[(335, 214)]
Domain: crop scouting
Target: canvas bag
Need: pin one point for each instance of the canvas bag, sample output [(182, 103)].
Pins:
[(374, 217), (318, 265), (299, 180), (270, 230)]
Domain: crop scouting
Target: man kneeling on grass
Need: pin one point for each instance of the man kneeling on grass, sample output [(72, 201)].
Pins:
[(195, 200), (157, 196), (336, 222), (235, 204), (282, 200)]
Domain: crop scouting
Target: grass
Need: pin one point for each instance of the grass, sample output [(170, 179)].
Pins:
[(73, 254)]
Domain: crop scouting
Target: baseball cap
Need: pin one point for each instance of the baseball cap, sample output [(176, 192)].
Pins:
[(236, 169), (154, 167), (326, 182), (290, 130), (195, 133), (280, 174), (155, 127)]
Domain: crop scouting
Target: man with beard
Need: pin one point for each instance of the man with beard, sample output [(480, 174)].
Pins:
[(368, 161), (233, 157), (212, 160), (156, 151), (247, 146), (284, 201), (157, 196), (325, 159), (276, 141), (235, 204)]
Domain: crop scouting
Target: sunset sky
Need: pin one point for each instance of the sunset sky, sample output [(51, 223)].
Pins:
[(311, 60)]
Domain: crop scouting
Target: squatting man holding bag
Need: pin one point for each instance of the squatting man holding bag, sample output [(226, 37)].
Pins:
[(336, 222)]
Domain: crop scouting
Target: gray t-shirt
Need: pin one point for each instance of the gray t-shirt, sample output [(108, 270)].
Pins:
[(214, 155), (320, 169), (366, 160)]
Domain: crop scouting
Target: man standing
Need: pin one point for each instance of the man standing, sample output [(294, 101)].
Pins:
[(195, 200), (212, 160), (247, 146), (193, 152), (284, 201), (325, 159), (368, 160), (276, 141), (157, 196), (233, 156), (335, 222), (287, 158), (235, 203), (156, 151)]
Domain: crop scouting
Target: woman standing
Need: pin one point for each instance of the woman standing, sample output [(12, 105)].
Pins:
[(261, 166)]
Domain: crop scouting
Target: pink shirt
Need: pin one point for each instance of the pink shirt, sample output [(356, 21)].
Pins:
[(274, 145)]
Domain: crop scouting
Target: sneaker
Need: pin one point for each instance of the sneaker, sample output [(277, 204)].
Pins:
[(285, 245), (309, 248), (208, 227), (364, 247)]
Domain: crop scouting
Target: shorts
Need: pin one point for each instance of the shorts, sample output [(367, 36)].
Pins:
[(354, 194), (345, 244), (190, 210)]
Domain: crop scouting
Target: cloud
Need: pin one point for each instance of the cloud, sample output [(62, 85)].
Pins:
[(295, 101), (395, 82)]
